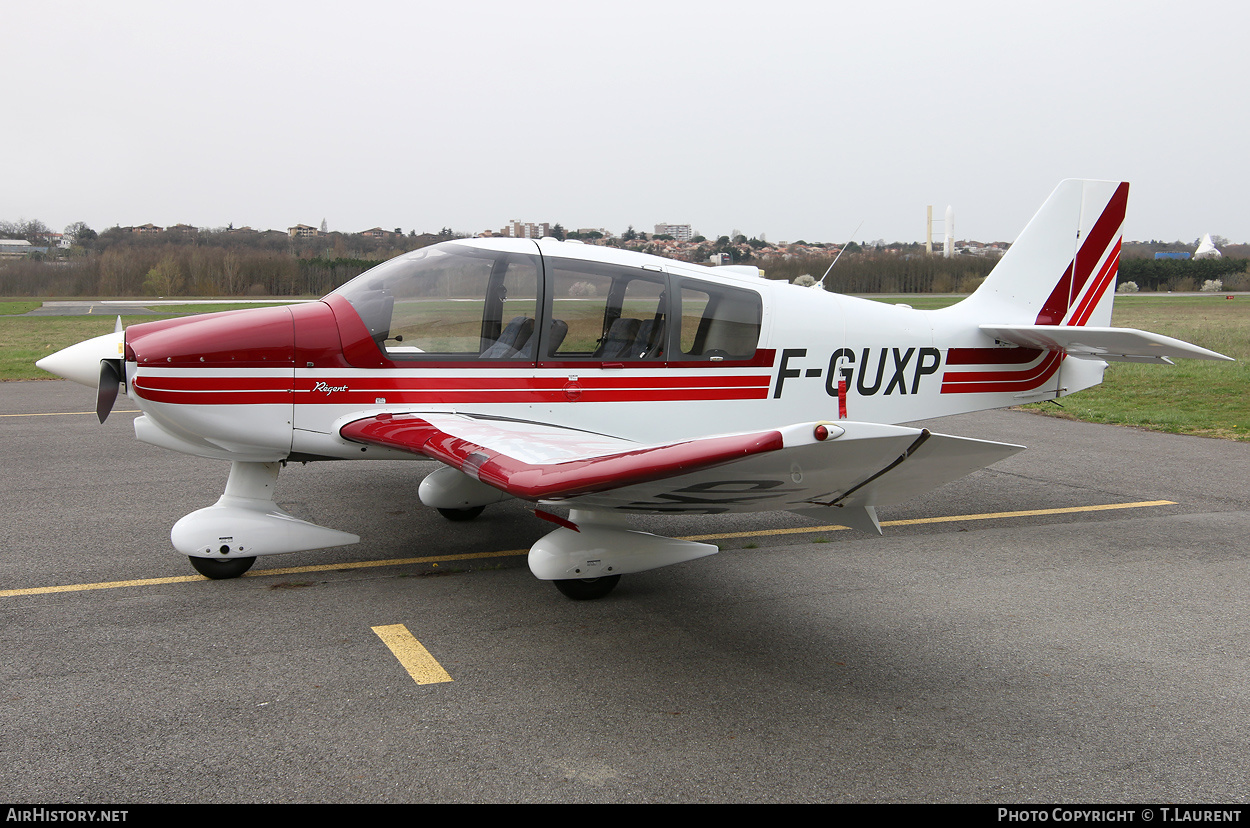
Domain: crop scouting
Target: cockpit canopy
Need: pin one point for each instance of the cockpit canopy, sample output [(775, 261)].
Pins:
[(462, 301)]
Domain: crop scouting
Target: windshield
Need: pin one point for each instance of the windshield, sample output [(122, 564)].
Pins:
[(450, 301)]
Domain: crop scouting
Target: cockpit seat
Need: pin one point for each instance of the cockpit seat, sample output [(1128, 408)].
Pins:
[(644, 347), (556, 331), (620, 339), (518, 331)]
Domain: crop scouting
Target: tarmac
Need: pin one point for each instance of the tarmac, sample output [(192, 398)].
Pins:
[(1069, 625)]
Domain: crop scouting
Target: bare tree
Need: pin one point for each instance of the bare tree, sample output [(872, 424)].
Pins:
[(165, 279)]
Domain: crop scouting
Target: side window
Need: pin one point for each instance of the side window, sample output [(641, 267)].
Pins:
[(718, 322), (605, 312)]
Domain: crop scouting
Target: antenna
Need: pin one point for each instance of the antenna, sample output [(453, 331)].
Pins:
[(840, 252)]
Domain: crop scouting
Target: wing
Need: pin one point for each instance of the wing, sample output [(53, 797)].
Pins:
[(533, 461), (1110, 344), (802, 467)]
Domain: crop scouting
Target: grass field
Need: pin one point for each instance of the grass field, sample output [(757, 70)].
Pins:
[(24, 339), (1211, 399), (1193, 397), (1201, 397), (17, 307)]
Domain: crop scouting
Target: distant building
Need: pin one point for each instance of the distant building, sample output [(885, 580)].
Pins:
[(144, 229), (300, 231), (518, 230), (681, 232), (15, 247), (1172, 254)]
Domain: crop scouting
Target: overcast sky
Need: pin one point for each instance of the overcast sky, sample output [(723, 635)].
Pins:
[(794, 120)]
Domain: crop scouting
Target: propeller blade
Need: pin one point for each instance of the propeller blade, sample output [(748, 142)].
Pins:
[(106, 391)]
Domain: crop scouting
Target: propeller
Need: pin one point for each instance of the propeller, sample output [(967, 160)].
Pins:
[(106, 390), (99, 362), (111, 373)]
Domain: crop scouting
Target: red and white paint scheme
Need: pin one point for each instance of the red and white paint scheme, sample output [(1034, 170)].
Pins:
[(614, 383)]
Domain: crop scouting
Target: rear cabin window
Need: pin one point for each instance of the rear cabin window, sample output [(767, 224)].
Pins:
[(718, 322)]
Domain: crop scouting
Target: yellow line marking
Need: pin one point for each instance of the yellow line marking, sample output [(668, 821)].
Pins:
[(1102, 507), (467, 556), (417, 660), (436, 559), (291, 570), (179, 579), (65, 413), (944, 519)]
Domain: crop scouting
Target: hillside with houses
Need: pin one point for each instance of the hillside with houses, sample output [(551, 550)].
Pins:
[(309, 260)]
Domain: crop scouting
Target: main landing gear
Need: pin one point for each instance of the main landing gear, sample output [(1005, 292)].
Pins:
[(462, 514), (587, 589), (592, 542), (220, 569)]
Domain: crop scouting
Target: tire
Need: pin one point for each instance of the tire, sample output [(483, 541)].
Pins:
[(221, 568), (587, 589), (462, 514)]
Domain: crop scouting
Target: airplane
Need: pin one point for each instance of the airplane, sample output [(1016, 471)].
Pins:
[(613, 383)]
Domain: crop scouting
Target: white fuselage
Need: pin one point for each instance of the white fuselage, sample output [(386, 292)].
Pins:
[(820, 356)]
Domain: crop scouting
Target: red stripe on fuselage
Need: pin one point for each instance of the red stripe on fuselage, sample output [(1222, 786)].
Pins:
[(366, 390), (991, 356), (209, 382), (975, 382)]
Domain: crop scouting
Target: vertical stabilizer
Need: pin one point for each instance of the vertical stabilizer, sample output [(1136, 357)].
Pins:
[(1062, 269)]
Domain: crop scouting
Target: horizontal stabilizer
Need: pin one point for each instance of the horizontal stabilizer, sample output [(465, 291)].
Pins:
[(1110, 344)]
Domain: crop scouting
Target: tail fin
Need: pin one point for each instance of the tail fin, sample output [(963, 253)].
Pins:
[(1062, 269)]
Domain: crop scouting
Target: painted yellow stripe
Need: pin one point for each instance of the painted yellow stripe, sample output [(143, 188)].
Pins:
[(1103, 507), (417, 660), (437, 559), (434, 559), (944, 519), (291, 570), (9, 593)]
